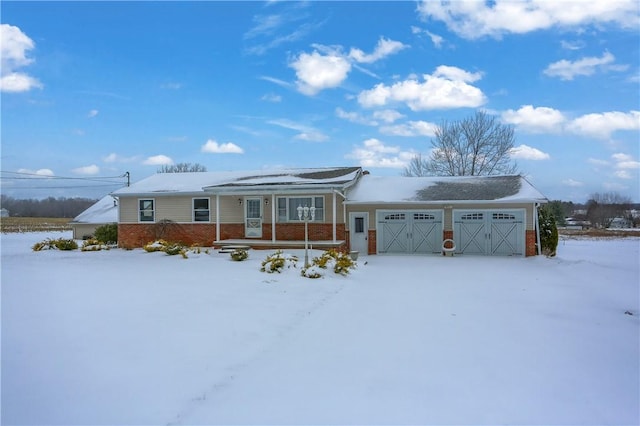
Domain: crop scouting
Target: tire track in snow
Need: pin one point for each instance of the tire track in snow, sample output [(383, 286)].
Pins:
[(231, 372)]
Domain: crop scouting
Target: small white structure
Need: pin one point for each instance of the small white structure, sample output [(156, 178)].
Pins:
[(4, 212), (103, 212)]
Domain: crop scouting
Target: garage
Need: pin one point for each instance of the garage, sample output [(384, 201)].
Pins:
[(409, 231), (489, 232)]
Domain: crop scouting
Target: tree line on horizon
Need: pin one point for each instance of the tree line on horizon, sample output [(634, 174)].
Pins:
[(48, 207)]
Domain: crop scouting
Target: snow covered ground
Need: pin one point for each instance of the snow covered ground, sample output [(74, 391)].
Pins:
[(129, 337)]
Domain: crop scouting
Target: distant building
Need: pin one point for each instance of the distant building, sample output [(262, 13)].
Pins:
[(4, 213), (103, 212)]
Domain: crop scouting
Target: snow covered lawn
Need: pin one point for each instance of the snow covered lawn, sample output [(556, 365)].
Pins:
[(129, 337)]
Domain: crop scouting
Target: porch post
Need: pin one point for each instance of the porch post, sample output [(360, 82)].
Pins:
[(218, 217), (335, 209), (273, 218)]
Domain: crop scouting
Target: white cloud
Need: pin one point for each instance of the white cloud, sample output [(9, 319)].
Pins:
[(18, 82), (457, 74), (625, 161), (306, 133), (410, 128), (271, 97), (14, 46), (384, 48), (436, 39), (622, 174), (446, 88), (374, 153), (473, 19), (158, 160), (526, 152), (316, 72), (355, 117), (277, 81), (87, 170), (602, 125), (39, 172), (213, 147), (535, 119), (387, 115), (115, 158), (572, 45), (572, 183), (567, 70), (92, 113)]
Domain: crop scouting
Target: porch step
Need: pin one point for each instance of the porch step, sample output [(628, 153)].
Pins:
[(232, 248)]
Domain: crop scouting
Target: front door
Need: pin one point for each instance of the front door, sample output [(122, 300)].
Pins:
[(359, 230), (253, 218)]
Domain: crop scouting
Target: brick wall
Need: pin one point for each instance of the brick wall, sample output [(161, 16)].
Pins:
[(373, 242), (131, 235), (530, 246)]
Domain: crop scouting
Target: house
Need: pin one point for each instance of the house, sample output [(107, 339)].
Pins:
[(354, 210), (4, 212), (103, 212)]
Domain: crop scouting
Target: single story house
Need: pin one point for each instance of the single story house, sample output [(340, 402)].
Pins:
[(495, 215), (103, 212)]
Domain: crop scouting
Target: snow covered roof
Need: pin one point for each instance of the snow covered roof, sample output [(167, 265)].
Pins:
[(104, 210), (217, 182), (400, 189)]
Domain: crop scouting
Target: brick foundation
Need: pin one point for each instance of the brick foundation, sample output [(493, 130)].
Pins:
[(132, 235)]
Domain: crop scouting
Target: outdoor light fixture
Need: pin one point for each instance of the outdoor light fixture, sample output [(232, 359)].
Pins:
[(239, 201), (306, 214), (266, 201)]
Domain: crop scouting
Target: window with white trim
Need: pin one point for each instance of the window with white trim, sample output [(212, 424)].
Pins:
[(288, 208), (146, 210), (201, 212), (503, 216)]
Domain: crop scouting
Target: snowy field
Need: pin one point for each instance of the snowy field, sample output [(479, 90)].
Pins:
[(128, 337)]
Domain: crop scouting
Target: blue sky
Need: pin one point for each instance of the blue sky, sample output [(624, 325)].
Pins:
[(91, 90)]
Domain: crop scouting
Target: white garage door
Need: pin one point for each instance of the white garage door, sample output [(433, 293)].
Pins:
[(409, 231), (489, 232)]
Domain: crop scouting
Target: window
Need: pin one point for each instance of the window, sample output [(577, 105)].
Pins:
[(201, 210), (395, 216), (423, 216), (146, 210), (359, 225), (288, 208), (503, 216), (472, 216)]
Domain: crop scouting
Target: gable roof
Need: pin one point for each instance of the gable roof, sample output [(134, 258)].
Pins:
[(104, 210), (226, 182), (450, 189)]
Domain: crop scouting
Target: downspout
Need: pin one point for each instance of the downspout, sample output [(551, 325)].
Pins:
[(218, 217), (273, 218), (334, 216), (344, 211), (537, 223)]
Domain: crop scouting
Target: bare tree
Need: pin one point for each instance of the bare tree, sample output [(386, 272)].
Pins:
[(603, 208), (475, 146), (182, 168)]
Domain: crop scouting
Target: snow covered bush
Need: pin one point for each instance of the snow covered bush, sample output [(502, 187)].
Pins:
[(92, 244), (57, 244), (548, 232), (239, 255), (278, 261), (340, 262), (107, 234), (169, 248)]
